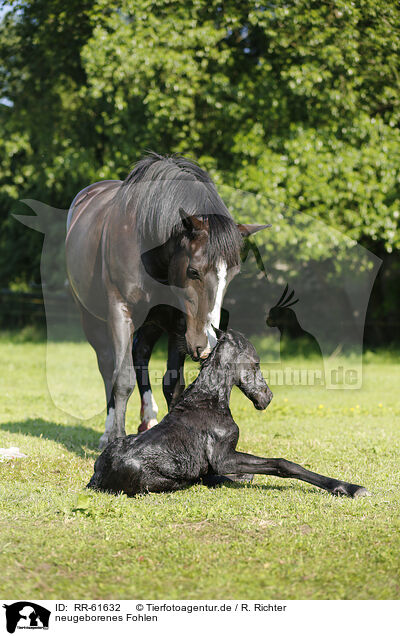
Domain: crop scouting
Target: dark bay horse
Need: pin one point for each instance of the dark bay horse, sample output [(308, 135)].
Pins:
[(157, 249)]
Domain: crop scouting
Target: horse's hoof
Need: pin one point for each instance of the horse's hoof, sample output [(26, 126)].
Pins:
[(103, 442), (145, 425)]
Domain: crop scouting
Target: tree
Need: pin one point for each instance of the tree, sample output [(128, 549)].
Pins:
[(295, 101)]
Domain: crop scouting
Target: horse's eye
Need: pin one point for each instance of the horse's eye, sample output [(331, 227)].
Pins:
[(193, 273)]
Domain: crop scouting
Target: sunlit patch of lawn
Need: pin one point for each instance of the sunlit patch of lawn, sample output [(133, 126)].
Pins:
[(271, 539)]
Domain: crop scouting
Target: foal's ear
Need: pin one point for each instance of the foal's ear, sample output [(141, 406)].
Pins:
[(218, 332), (193, 224), (246, 229)]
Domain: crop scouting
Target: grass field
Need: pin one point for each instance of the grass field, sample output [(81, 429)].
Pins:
[(273, 539)]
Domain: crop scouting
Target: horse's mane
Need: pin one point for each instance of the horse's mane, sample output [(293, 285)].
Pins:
[(158, 187)]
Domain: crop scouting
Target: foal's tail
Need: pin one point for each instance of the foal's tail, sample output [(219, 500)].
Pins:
[(94, 483), (95, 480)]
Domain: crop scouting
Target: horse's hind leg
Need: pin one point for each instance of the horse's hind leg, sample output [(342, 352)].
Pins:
[(143, 344), (235, 462), (97, 335)]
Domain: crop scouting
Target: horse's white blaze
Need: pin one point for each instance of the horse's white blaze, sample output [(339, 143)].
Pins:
[(149, 409), (213, 317)]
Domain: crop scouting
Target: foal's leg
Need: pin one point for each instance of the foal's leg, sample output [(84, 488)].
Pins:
[(143, 344), (235, 462)]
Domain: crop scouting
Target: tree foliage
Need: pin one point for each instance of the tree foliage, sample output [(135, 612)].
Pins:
[(296, 100)]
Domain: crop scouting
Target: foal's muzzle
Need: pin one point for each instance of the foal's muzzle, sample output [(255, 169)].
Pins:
[(262, 399)]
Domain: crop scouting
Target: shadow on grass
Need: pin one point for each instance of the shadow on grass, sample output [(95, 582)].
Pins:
[(250, 485), (78, 439), (83, 442)]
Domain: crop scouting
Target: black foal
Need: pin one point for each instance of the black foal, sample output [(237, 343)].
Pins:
[(197, 439)]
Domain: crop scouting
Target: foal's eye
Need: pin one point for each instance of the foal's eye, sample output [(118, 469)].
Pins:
[(193, 273)]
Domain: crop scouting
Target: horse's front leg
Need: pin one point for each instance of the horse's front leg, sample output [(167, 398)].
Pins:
[(123, 379), (143, 344), (174, 379)]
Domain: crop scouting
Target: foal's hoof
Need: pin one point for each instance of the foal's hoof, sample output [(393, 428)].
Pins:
[(243, 478), (362, 492), (350, 490)]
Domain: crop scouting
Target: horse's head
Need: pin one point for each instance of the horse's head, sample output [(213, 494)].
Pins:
[(201, 266), (201, 280)]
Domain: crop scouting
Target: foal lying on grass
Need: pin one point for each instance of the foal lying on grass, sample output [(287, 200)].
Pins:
[(196, 441)]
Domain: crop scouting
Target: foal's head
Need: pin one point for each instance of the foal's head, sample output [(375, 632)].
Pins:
[(237, 356)]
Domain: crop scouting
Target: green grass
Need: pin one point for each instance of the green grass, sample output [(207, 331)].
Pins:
[(273, 539)]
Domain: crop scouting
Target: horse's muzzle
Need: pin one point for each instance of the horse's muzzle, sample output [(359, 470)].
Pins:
[(200, 354), (197, 348), (204, 354)]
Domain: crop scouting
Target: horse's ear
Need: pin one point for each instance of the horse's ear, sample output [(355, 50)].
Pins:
[(192, 224), (246, 229)]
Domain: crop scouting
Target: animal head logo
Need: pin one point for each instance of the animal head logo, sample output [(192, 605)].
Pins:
[(26, 615), (284, 318), (281, 315)]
